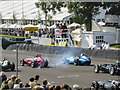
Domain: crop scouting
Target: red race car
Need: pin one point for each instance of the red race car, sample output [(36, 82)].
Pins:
[(35, 61)]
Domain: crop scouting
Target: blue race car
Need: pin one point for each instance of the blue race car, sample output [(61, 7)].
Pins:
[(106, 85), (83, 60)]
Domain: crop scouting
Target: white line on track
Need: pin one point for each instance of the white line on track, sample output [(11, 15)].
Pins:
[(69, 76)]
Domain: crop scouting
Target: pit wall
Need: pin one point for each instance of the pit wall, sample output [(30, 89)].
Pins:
[(68, 51)]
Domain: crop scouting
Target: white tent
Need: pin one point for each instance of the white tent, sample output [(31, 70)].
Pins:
[(41, 26), (101, 23), (73, 25), (29, 25), (52, 27), (5, 25), (16, 26)]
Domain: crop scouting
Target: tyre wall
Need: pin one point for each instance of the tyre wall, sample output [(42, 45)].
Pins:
[(68, 51)]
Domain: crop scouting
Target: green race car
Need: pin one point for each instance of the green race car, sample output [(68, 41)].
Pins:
[(5, 65)]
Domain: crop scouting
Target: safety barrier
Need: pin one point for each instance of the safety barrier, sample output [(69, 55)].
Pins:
[(108, 54)]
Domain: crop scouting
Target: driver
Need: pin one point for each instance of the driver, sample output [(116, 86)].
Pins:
[(4, 59), (118, 63), (36, 55), (82, 54)]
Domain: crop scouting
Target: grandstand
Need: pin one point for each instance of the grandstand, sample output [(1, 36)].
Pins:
[(26, 9)]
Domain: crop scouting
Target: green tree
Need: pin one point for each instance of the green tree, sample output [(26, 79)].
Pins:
[(114, 8), (83, 12), (46, 7)]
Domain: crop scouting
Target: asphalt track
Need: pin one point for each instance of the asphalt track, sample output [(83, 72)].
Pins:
[(58, 73)]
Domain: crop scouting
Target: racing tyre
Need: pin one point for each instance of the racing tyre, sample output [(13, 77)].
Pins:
[(95, 85), (33, 64), (46, 63), (12, 66), (112, 71), (114, 87), (96, 68), (76, 62), (89, 62), (22, 62)]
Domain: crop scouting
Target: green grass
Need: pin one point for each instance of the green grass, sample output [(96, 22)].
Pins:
[(9, 36), (117, 45)]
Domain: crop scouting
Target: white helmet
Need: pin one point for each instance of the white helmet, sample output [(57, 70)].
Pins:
[(118, 62), (82, 54)]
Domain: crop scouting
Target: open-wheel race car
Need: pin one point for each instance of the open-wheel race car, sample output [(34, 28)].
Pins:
[(5, 65), (109, 68), (106, 84), (37, 61), (83, 60)]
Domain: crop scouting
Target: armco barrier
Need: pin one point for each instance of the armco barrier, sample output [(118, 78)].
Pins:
[(68, 51)]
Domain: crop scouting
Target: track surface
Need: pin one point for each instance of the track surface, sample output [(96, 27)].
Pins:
[(58, 73)]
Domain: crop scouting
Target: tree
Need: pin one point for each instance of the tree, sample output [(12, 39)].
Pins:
[(47, 7), (83, 12), (114, 8), (14, 19)]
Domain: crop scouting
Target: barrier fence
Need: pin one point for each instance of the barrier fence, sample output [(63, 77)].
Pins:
[(70, 51)]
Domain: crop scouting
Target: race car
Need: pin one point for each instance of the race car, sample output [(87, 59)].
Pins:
[(109, 68), (106, 84), (83, 60), (5, 64), (35, 62)]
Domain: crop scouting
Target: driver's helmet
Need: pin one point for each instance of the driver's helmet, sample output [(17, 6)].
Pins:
[(36, 55), (118, 63), (4, 59), (82, 54)]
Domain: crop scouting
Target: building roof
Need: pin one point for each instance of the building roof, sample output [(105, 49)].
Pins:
[(29, 9)]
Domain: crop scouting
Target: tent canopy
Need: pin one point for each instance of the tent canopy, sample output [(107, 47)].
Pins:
[(41, 26), (5, 25), (52, 27), (73, 25), (16, 26)]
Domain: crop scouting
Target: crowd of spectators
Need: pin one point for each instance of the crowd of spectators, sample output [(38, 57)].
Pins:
[(47, 33), (14, 82)]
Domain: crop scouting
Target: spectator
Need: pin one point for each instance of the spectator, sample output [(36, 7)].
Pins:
[(103, 45), (66, 87), (51, 87), (17, 81), (12, 82), (36, 78), (93, 46), (57, 87), (4, 85), (107, 46), (37, 87), (45, 84), (76, 87), (31, 82), (21, 85), (3, 76), (92, 88), (26, 85)]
